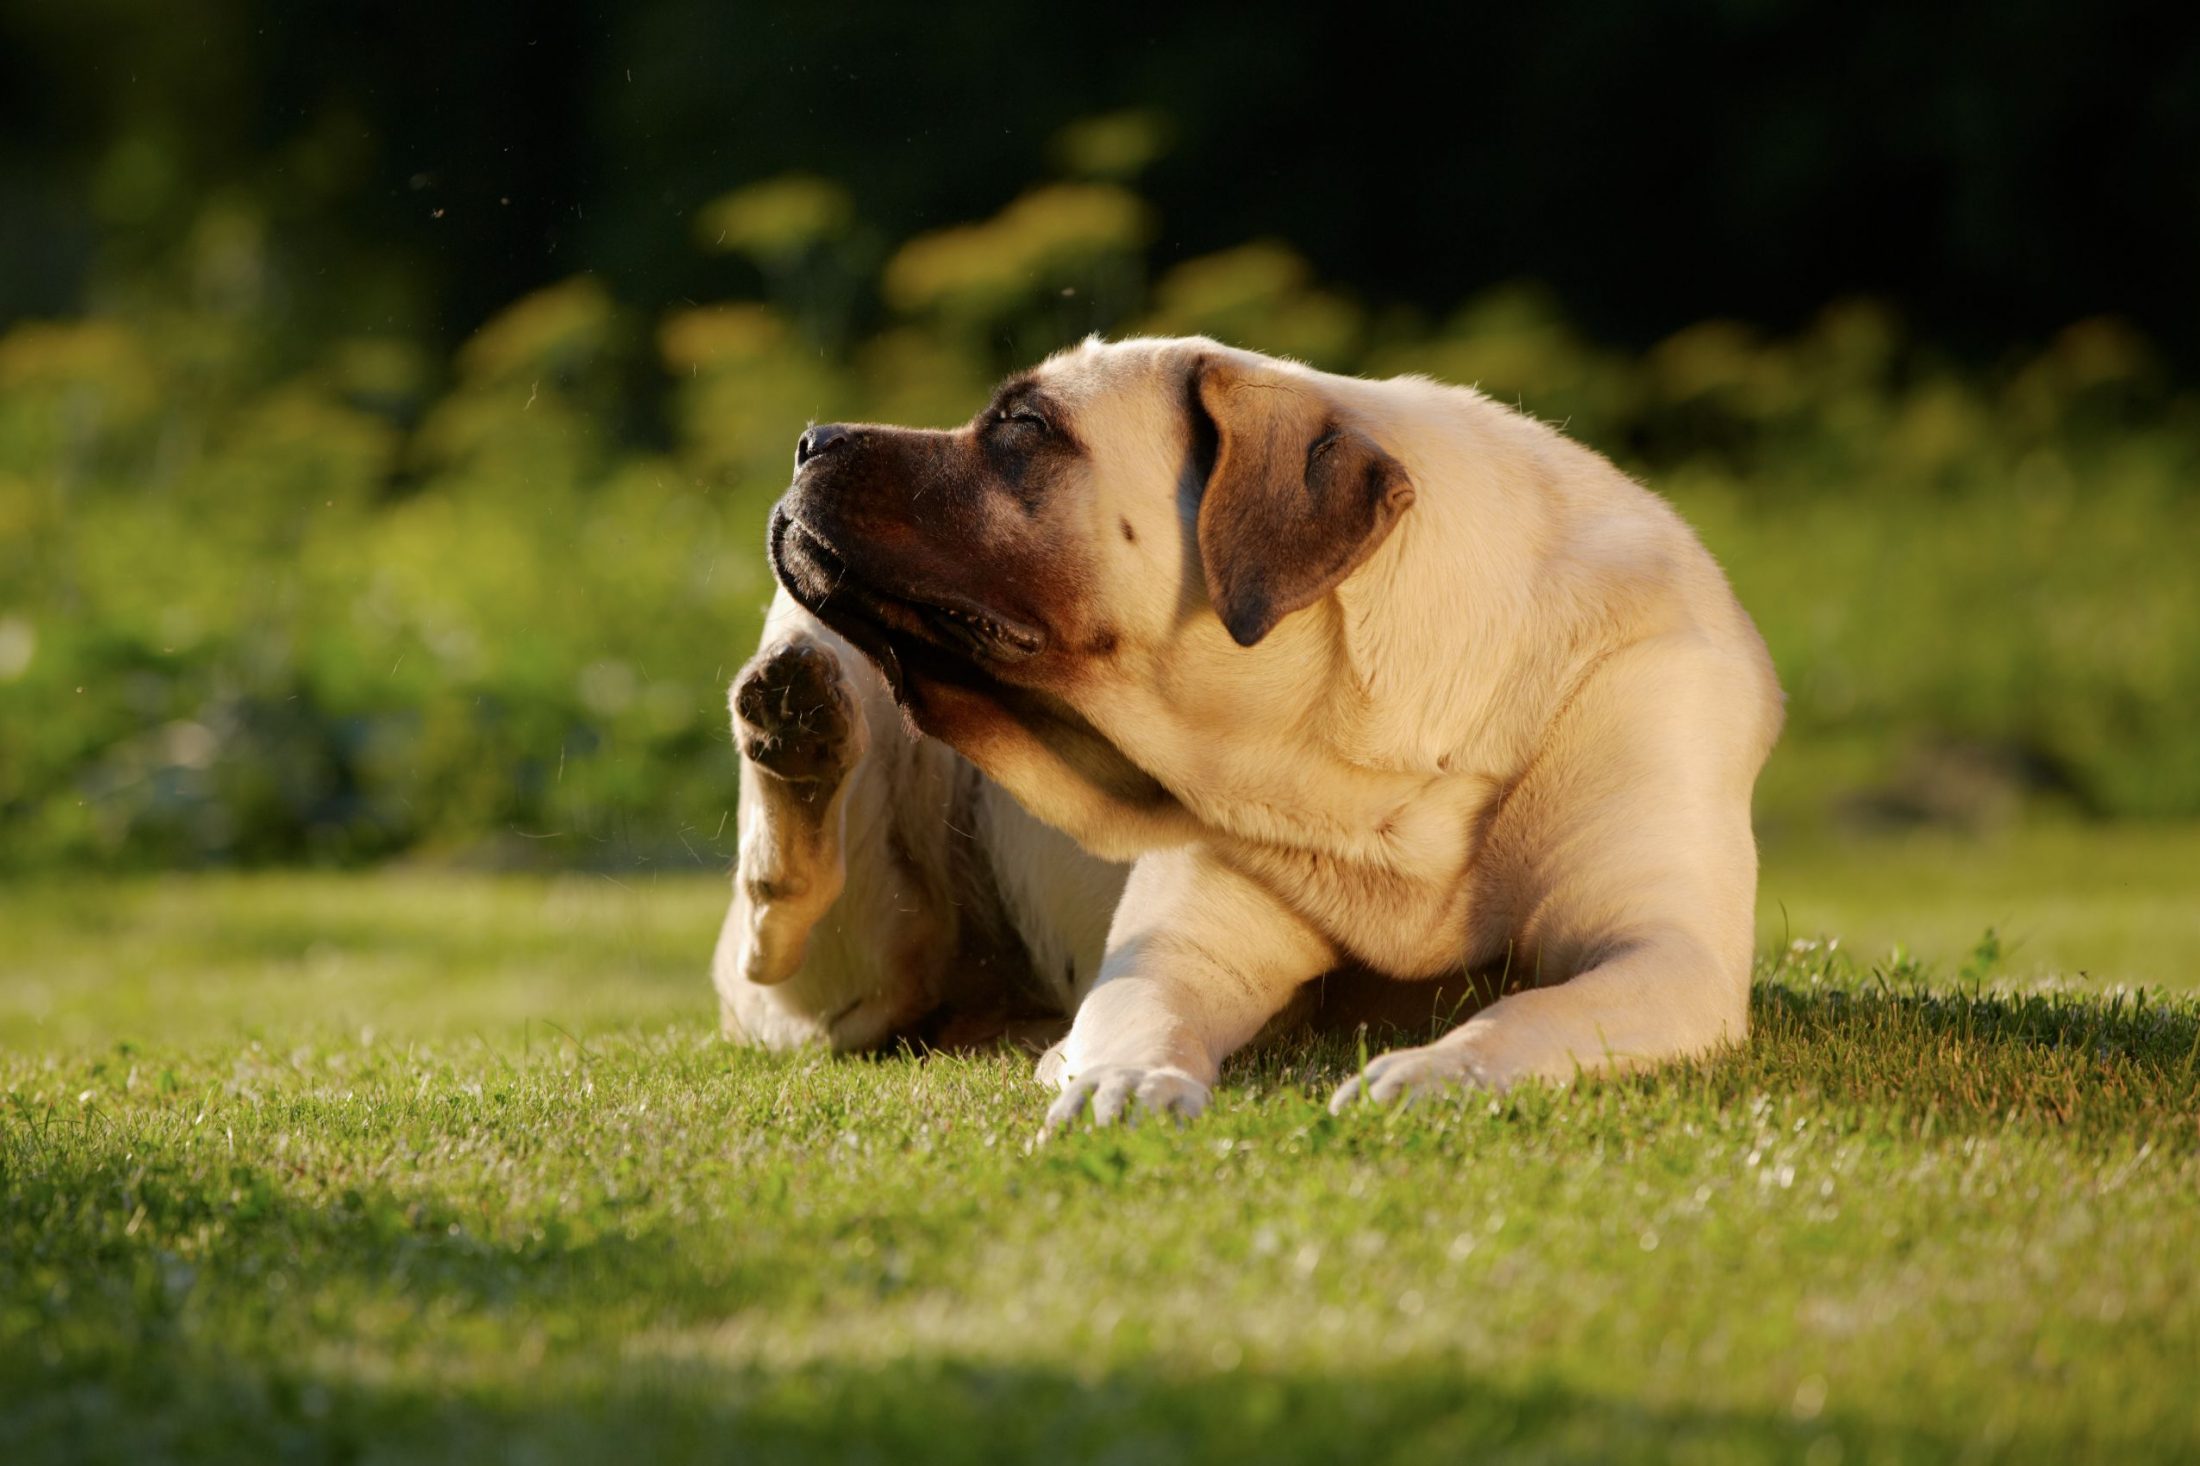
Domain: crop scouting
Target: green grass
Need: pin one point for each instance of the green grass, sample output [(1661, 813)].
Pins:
[(2083, 905), (423, 1166)]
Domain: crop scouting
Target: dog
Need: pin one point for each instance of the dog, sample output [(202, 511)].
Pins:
[(1320, 677)]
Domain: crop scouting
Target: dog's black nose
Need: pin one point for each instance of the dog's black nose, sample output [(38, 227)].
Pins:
[(821, 439)]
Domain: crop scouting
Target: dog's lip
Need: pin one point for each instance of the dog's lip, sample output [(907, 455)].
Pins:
[(980, 632), (874, 644)]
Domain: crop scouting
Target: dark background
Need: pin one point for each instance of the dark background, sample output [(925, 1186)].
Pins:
[(392, 397), (1995, 170)]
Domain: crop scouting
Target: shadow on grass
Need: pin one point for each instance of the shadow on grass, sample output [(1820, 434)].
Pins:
[(2127, 1063), (125, 1286), (182, 1405), (2123, 1062)]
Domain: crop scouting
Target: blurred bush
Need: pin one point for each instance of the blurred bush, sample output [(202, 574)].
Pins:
[(1003, 277), (260, 602)]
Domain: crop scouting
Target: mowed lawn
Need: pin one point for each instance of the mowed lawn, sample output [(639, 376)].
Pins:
[(434, 1166)]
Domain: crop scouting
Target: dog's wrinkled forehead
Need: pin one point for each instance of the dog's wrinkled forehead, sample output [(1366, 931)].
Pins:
[(1126, 398), (1094, 369)]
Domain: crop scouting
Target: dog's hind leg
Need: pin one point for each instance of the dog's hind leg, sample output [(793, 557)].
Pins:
[(803, 732), (860, 913), (801, 737), (883, 891)]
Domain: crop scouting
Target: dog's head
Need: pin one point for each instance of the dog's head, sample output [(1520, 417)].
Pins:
[(1111, 519)]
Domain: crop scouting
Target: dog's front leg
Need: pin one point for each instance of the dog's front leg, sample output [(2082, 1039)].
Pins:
[(1199, 958)]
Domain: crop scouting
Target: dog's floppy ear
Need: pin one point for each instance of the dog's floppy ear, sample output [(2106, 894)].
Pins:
[(1297, 498)]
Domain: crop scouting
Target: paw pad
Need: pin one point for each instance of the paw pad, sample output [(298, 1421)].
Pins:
[(793, 714)]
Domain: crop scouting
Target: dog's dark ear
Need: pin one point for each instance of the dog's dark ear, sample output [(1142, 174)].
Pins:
[(1296, 500)]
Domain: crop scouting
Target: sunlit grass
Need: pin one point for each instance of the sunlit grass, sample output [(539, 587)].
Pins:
[(429, 1166), (2083, 905), (407, 954)]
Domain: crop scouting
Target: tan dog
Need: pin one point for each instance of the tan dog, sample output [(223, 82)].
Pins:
[(1372, 676)]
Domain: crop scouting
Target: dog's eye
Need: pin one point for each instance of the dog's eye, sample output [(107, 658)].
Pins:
[(1022, 417)]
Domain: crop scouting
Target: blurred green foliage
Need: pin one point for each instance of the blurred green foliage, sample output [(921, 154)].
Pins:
[(262, 606)]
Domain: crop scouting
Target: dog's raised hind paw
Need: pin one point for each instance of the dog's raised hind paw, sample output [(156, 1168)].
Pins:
[(794, 716)]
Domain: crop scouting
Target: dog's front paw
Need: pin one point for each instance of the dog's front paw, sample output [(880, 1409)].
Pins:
[(794, 715), (1404, 1075), (1114, 1092)]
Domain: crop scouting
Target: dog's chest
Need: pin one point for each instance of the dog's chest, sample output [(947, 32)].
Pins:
[(1396, 892)]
